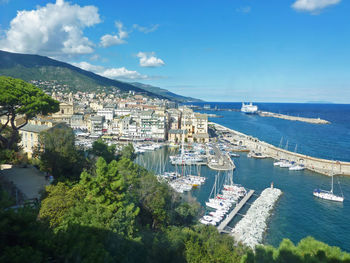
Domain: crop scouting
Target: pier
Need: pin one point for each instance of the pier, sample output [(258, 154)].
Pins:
[(220, 162), (228, 219), (292, 118)]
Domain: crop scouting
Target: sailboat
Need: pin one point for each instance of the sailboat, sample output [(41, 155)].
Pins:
[(328, 195)]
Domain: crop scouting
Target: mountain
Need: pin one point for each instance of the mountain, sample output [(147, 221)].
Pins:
[(35, 67), (165, 93)]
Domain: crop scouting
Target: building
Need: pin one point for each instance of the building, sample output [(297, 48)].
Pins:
[(30, 134), (107, 113), (175, 135), (95, 125)]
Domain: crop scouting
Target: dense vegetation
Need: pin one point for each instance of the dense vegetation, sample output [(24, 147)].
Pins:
[(118, 212)]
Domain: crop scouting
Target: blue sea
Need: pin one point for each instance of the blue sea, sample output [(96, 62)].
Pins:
[(297, 214)]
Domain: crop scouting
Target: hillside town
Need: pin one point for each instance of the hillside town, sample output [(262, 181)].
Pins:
[(116, 118)]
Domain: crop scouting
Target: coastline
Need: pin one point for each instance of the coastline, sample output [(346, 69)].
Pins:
[(318, 165)]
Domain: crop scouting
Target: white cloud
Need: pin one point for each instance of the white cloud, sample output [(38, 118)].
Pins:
[(111, 40), (54, 30), (144, 29), (313, 6), (114, 73), (95, 57), (148, 59)]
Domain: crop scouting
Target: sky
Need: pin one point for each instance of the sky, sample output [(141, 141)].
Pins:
[(215, 50)]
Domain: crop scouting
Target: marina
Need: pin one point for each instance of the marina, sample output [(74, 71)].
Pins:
[(297, 187)]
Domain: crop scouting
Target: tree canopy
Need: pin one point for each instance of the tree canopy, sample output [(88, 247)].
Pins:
[(101, 149), (58, 154), (19, 98)]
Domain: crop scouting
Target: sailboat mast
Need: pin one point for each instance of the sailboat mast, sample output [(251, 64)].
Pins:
[(332, 185)]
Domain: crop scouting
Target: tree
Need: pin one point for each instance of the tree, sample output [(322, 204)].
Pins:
[(59, 199), (101, 149), (58, 154), (19, 98), (128, 152)]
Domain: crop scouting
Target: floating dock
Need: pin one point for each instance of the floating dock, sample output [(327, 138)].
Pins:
[(228, 219), (292, 118)]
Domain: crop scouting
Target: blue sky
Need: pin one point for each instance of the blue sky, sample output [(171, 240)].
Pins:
[(223, 50)]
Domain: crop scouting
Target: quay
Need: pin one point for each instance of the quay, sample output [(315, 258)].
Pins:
[(220, 162), (318, 165), (292, 118), (228, 219)]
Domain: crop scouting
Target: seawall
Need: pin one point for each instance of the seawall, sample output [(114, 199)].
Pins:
[(292, 118), (322, 166)]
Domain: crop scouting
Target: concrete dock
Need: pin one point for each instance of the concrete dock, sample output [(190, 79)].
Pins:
[(292, 118), (220, 162), (228, 219)]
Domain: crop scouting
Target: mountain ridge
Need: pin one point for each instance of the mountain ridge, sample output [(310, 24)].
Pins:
[(35, 67)]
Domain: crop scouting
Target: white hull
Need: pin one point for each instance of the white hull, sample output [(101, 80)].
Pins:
[(249, 108), (328, 196)]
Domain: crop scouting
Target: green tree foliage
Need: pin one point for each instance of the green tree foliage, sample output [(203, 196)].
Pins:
[(128, 152), (58, 153), (119, 212), (308, 250), (205, 244), (101, 149), (59, 200), (19, 98)]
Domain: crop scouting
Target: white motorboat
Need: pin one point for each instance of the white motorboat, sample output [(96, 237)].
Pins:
[(297, 167), (286, 164)]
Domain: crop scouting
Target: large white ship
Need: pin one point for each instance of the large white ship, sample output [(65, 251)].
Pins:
[(249, 108)]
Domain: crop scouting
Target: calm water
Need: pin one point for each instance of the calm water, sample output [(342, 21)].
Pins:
[(297, 214)]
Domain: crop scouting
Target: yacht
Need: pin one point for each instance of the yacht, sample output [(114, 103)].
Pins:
[(249, 108), (328, 195), (297, 167), (286, 164)]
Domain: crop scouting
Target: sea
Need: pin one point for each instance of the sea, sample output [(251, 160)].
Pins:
[(298, 213)]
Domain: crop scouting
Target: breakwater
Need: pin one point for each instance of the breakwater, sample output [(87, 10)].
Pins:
[(322, 166), (292, 118), (250, 229)]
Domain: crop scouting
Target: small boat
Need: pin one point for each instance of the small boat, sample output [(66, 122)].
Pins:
[(328, 195), (256, 155), (297, 167), (234, 154), (286, 164), (278, 163)]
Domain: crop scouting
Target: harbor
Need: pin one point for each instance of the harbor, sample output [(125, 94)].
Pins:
[(297, 187)]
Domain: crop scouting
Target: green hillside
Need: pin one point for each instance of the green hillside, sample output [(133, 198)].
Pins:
[(163, 92), (35, 67)]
